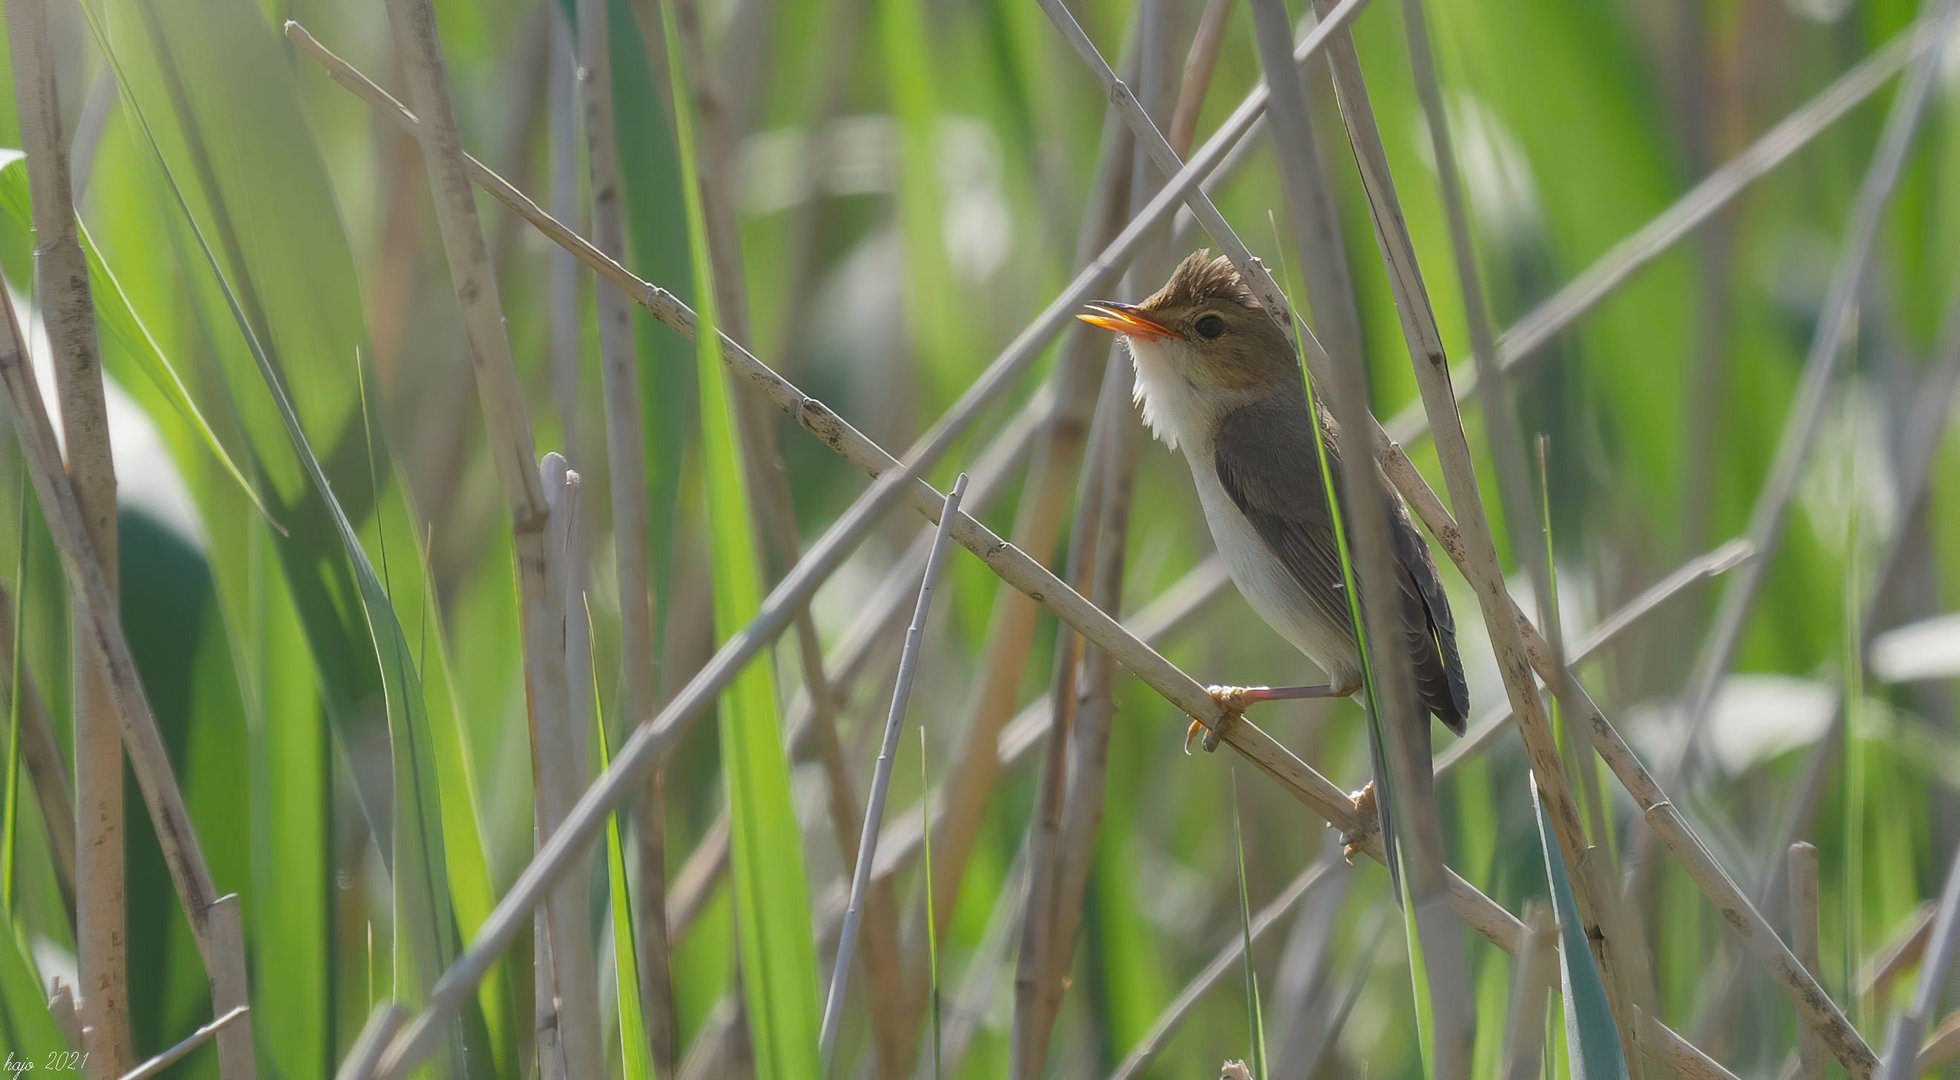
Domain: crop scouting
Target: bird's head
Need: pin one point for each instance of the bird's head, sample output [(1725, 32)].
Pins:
[(1203, 345)]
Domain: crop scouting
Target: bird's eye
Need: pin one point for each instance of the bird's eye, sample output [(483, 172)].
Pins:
[(1210, 326)]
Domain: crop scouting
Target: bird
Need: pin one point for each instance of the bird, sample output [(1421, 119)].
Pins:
[(1218, 381)]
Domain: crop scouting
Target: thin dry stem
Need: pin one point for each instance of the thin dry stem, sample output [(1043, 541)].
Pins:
[(364, 1057), (1898, 956), (182, 1049), (1623, 966), (632, 551), (1534, 978), (1812, 1056), (61, 290), (1814, 1007), (1902, 1049), (1942, 1046), (874, 812), (41, 752), (566, 978), (100, 632)]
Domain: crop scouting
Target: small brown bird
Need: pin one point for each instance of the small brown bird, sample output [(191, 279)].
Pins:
[(1218, 380)]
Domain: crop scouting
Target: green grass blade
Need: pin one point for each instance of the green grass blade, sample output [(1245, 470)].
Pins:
[(932, 939), (772, 897), (1252, 1008), (1590, 1035), (10, 812), (636, 1055), (27, 1029)]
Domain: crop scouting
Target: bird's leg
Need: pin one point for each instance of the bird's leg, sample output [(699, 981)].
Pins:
[(1364, 805), (1234, 700)]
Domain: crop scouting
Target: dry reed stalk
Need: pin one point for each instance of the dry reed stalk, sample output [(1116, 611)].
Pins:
[(61, 291), (364, 1057), (1595, 907), (1942, 1046), (1628, 979), (567, 974), (1408, 790), (1163, 618), (182, 1049), (1902, 1050), (213, 925), (632, 551), (1534, 979), (874, 812), (62, 1004), (515, 455), (1898, 955), (1812, 1056), (41, 752), (1814, 1007)]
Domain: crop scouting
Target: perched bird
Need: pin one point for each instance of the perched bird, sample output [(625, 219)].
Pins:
[(1218, 380)]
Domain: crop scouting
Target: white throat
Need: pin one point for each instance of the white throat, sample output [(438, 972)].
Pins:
[(1173, 409)]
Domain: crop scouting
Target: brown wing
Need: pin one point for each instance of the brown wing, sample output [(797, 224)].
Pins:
[(1267, 463)]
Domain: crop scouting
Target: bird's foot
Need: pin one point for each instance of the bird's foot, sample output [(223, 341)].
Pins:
[(1364, 805), (1232, 702)]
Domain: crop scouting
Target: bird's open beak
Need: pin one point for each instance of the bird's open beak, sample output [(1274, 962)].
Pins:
[(1124, 319)]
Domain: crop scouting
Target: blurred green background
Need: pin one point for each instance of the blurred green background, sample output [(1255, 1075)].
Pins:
[(908, 178)]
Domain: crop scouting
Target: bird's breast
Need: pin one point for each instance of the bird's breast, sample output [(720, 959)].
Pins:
[(1265, 582)]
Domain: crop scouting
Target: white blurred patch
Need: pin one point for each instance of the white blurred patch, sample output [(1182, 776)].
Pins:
[(1929, 649), (858, 155), (1949, 69), (146, 478), (1496, 173), (56, 963), (1753, 718), (1818, 11)]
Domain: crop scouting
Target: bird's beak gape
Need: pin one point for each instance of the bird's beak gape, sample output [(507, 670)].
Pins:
[(1124, 319)]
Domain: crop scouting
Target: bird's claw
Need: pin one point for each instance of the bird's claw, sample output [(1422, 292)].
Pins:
[(1364, 805), (1231, 705)]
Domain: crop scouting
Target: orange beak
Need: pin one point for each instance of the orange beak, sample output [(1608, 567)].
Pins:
[(1124, 319)]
